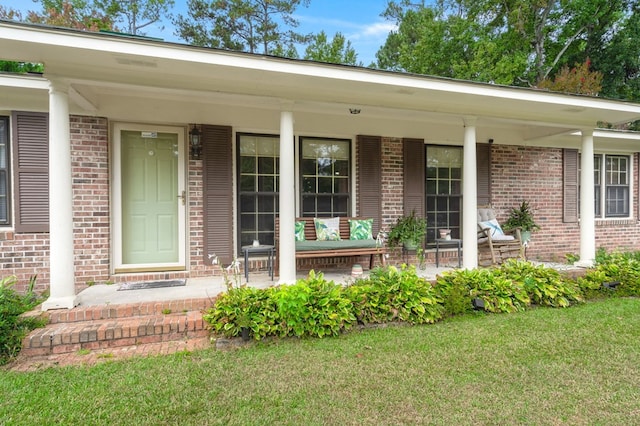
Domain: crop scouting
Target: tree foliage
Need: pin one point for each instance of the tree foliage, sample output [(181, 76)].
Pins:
[(78, 14), (336, 51), (256, 26), (514, 42), (578, 79), (135, 14)]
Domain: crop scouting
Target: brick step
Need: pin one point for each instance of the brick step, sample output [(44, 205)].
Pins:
[(101, 312), (60, 337)]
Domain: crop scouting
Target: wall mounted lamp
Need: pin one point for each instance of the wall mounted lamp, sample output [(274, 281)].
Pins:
[(195, 142)]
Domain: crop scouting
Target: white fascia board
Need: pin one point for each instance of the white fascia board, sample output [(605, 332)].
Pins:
[(21, 81), (403, 82)]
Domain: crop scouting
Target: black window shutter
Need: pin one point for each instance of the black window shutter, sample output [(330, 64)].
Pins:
[(570, 185), (217, 192), (414, 176), (370, 179), (483, 165), (31, 171)]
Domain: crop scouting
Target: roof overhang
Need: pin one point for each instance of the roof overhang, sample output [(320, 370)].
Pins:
[(97, 64)]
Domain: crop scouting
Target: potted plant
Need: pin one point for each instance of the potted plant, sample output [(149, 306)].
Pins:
[(408, 231), (522, 218)]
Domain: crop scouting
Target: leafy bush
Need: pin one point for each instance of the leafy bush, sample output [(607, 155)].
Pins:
[(313, 307), (244, 307), (622, 268), (395, 294), (499, 294), (545, 286), (14, 328)]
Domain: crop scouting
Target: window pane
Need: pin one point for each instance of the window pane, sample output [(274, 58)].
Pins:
[(308, 185), (324, 205), (341, 168), (248, 222), (341, 186), (325, 185), (326, 167), (340, 206), (247, 165), (266, 166), (308, 206), (308, 167), (266, 204), (247, 183), (247, 203), (266, 184)]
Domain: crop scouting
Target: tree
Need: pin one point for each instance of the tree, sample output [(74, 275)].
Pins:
[(135, 14), (76, 14), (516, 42), (619, 62), (338, 51), (578, 79), (245, 25)]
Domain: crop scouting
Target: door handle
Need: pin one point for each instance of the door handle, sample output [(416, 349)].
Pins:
[(183, 196)]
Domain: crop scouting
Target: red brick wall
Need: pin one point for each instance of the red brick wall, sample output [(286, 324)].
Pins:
[(91, 222), (26, 255), (535, 175)]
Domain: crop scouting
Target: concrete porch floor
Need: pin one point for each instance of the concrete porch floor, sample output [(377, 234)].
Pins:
[(208, 287)]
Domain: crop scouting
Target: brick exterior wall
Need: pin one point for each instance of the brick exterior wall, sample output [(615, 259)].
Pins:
[(535, 174), (529, 173), (91, 221)]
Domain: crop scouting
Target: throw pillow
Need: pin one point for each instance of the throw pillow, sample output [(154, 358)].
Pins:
[(360, 229), (327, 229), (299, 231), (493, 226)]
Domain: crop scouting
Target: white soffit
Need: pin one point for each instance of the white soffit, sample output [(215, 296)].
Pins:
[(131, 61)]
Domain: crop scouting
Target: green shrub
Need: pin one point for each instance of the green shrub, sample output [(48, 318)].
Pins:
[(499, 294), (243, 307), (622, 268), (545, 286), (395, 294), (13, 328), (455, 291), (313, 307)]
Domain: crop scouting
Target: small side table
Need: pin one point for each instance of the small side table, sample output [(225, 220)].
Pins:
[(261, 249), (442, 242)]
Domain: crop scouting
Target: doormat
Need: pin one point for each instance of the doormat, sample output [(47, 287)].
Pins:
[(152, 284)]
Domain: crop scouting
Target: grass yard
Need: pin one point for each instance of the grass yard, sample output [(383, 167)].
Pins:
[(545, 366)]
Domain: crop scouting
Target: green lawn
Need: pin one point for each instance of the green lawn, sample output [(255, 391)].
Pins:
[(545, 366)]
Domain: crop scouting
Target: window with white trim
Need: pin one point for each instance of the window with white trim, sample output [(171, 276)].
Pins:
[(4, 171), (612, 185)]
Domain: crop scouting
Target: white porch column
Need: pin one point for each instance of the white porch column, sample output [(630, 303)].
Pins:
[(287, 247), (469, 197), (587, 201), (61, 269)]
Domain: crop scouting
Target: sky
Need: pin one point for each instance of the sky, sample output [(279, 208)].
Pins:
[(358, 20)]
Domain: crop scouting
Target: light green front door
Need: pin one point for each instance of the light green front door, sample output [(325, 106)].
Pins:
[(149, 196)]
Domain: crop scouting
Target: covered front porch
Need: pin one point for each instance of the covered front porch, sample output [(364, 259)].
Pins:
[(120, 80)]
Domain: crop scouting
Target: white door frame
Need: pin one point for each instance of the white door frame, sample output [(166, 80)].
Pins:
[(116, 199)]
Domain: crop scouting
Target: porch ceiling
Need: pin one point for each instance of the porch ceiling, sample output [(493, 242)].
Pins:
[(100, 66)]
